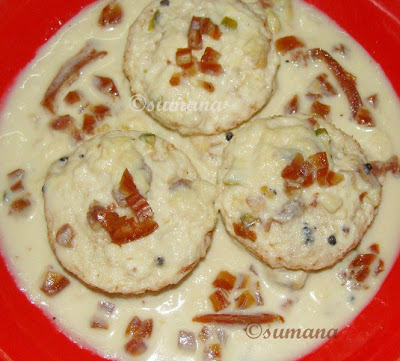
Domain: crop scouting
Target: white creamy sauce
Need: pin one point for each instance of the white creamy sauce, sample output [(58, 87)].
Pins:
[(29, 143)]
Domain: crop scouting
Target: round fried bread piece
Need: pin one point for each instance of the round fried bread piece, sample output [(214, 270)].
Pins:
[(127, 212), (201, 67), (298, 195)]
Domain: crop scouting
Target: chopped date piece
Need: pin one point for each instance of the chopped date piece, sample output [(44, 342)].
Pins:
[(67, 123), (341, 49), (243, 281), (299, 57), (136, 347), (195, 40), (73, 97), (288, 43), (210, 68), (225, 280), (106, 85), (320, 109), (210, 56), (238, 318), (293, 106), (89, 122), (345, 79), (139, 205), (54, 283), (242, 231), (212, 352), (391, 165), (187, 341), (140, 329), (69, 73), (373, 100), (15, 179), (175, 79), (110, 15), (334, 178), (101, 111), (204, 334), (207, 27), (245, 300), (362, 196), (19, 205), (219, 300), (208, 86), (380, 268), (358, 270), (99, 323), (183, 57), (65, 235), (18, 186), (326, 88), (374, 248), (364, 117)]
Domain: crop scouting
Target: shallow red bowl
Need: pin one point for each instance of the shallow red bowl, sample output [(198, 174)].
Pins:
[(27, 334)]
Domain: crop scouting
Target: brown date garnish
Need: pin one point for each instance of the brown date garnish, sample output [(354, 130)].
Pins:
[(65, 235), (89, 122), (106, 85), (139, 329), (238, 318), (54, 283), (135, 347), (101, 111), (245, 300), (187, 340), (212, 352), (321, 109), (175, 79), (110, 15), (19, 205), (242, 231), (392, 165), (346, 82), (288, 43), (219, 300), (225, 280), (69, 73), (67, 124), (73, 97), (208, 86), (292, 107)]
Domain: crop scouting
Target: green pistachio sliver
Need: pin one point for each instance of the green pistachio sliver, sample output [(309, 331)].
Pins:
[(320, 131), (149, 138), (229, 23), (155, 19), (248, 220)]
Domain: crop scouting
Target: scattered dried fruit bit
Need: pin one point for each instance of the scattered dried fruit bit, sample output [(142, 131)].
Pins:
[(110, 15), (207, 27), (288, 43), (210, 56), (99, 323), (139, 205), (380, 268), (391, 165), (358, 270), (219, 300), (320, 109), (73, 97), (373, 100), (374, 248), (67, 123), (195, 40), (135, 347), (16, 179), (139, 329), (204, 333), (187, 341), (210, 68), (69, 73), (300, 173), (18, 205), (341, 49), (89, 123), (238, 318), (103, 312), (241, 231), (65, 235), (101, 111), (229, 23), (257, 293), (225, 280), (106, 85), (175, 79), (208, 86), (212, 352), (243, 281), (293, 106), (245, 300), (154, 21), (326, 87), (346, 82), (183, 57), (364, 117), (54, 283)]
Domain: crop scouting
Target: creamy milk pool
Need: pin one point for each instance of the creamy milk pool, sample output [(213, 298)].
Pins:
[(29, 144)]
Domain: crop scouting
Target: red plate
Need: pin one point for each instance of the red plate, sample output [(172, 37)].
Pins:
[(27, 334)]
